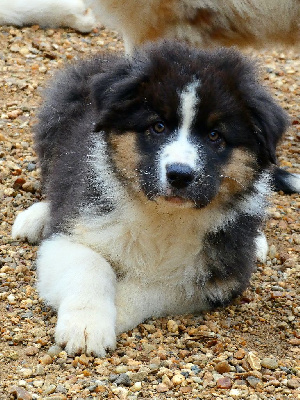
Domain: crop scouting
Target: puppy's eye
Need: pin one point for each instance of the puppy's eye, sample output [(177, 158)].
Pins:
[(214, 136), (158, 127)]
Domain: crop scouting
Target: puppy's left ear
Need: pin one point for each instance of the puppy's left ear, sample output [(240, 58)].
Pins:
[(270, 122)]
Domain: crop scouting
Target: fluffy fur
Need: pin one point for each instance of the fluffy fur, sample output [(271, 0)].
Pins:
[(48, 13), (205, 23), (156, 172)]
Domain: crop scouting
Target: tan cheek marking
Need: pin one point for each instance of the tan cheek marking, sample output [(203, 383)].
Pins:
[(237, 174), (125, 155)]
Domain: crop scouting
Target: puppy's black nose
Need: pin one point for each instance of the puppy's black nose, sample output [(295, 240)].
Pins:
[(179, 175)]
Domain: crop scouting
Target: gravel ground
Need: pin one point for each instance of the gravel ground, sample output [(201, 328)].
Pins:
[(249, 350)]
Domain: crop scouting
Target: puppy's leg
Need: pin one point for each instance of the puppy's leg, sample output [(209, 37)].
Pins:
[(229, 257), (31, 224), (81, 285), (136, 302)]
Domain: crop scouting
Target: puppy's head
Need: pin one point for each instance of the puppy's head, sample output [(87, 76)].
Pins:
[(187, 126)]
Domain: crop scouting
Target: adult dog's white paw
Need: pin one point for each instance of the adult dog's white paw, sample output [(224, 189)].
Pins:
[(30, 224), (85, 331)]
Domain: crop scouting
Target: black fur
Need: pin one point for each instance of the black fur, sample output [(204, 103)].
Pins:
[(227, 257)]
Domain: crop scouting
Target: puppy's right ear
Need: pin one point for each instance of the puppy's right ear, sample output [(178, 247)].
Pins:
[(115, 92)]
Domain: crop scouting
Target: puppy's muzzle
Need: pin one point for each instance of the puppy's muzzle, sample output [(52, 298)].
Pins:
[(179, 176)]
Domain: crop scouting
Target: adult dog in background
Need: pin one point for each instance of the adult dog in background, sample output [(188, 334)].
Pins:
[(205, 23), (156, 181), (48, 13)]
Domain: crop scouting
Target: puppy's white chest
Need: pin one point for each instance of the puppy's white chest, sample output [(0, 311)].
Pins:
[(148, 246)]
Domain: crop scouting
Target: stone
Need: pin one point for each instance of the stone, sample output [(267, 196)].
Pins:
[(46, 359), (20, 393), (240, 354), (172, 326), (253, 381), (162, 388), (49, 389), (54, 350), (136, 387), (254, 361), (293, 383), (122, 379), (235, 393), (40, 370), (26, 372), (121, 369), (224, 383), (269, 362), (222, 367), (178, 379)]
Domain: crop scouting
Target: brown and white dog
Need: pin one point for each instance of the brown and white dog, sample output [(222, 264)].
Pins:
[(204, 23)]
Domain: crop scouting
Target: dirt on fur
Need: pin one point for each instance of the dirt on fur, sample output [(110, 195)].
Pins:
[(249, 350)]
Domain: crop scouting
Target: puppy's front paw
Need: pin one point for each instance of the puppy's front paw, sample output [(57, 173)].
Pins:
[(85, 331), (32, 223)]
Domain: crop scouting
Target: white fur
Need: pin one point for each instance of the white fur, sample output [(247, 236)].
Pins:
[(261, 247), (188, 107), (31, 224), (255, 204), (181, 150), (48, 13), (235, 22), (294, 182), (81, 285)]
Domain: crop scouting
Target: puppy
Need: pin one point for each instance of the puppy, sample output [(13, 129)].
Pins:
[(205, 23), (48, 13), (156, 170)]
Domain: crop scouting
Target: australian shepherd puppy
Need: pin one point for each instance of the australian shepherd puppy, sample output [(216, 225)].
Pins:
[(156, 170), (205, 23), (48, 13)]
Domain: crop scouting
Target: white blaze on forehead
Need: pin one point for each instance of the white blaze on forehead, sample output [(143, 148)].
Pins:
[(181, 150), (188, 107)]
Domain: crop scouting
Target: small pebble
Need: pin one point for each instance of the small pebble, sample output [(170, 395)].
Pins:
[(272, 251), (123, 379), (46, 359), (172, 326), (293, 383), (31, 350), (54, 350), (224, 383), (222, 367), (49, 389), (254, 361), (136, 387), (162, 388), (26, 372), (253, 381), (20, 393), (269, 362), (178, 379), (40, 370)]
